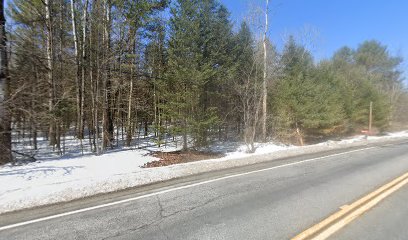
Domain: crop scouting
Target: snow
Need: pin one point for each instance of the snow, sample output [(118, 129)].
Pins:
[(58, 179), (261, 148), (55, 179)]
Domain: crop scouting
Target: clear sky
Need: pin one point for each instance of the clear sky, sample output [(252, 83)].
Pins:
[(334, 23)]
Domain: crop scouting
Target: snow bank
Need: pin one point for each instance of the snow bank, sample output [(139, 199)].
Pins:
[(62, 179)]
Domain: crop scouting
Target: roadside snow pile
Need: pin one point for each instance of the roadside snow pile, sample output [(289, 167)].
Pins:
[(393, 135), (62, 179), (361, 138), (260, 148)]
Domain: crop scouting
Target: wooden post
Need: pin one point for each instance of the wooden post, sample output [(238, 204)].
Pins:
[(370, 118)]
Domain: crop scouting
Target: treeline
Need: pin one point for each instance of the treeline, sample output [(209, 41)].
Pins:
[(104, 70)]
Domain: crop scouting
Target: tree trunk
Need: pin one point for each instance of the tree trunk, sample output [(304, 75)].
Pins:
[(5, 127), (264, 87), (33, 107), (185, 146), (129, 131), (61, 71), (107, 111), (93, 57), (50, 71), (77, 75), (97, 98), (299, 134), (82, 113)]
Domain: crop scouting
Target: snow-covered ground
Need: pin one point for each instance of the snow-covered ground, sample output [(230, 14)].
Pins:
[(54, 179)]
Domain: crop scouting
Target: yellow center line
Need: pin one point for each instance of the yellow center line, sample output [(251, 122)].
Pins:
[(348, 213)]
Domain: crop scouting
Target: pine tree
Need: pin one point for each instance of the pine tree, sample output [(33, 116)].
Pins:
[(200, 41), (156, 65), (306, 98), (383, 71)]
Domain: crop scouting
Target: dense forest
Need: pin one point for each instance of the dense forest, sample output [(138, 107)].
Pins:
[(109, 71)]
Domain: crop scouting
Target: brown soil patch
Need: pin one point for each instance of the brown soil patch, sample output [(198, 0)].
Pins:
[(170, 158)]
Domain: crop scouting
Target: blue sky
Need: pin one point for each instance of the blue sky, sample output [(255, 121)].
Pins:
[(336, 22)]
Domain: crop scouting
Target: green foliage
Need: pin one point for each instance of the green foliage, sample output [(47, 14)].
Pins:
[(334, 96), (361, 94), (375, 57), (198, 66), (364, 75), (191, 75), (307, 97)]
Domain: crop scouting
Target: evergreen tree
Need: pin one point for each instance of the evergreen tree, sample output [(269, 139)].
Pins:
[(156, 66), (100, 68), (184, 79), (200, 41), (358, 90), (306, 99), (383, 71)]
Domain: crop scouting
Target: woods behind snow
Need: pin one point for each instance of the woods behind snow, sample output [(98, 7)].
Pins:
[(108, 71)]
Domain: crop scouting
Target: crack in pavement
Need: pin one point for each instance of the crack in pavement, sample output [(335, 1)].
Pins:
[(161, 209), (162, 217)]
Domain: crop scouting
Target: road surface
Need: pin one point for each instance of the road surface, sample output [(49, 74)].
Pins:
[(273, 200), (388, 220)]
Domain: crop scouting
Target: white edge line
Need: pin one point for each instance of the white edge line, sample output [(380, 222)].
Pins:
[(171, 190)]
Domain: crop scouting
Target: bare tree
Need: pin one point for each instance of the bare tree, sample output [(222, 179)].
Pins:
[(77, 75), (50, 69), (251, 101), (83, 57), (250, 94), (107, 133), (264, 84), (133, 72), (5, 129)]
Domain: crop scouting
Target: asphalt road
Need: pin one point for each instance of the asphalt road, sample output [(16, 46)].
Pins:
[(276, 203), (388, 220)]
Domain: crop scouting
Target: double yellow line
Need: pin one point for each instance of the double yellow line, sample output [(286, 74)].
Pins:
[(348, 213)]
